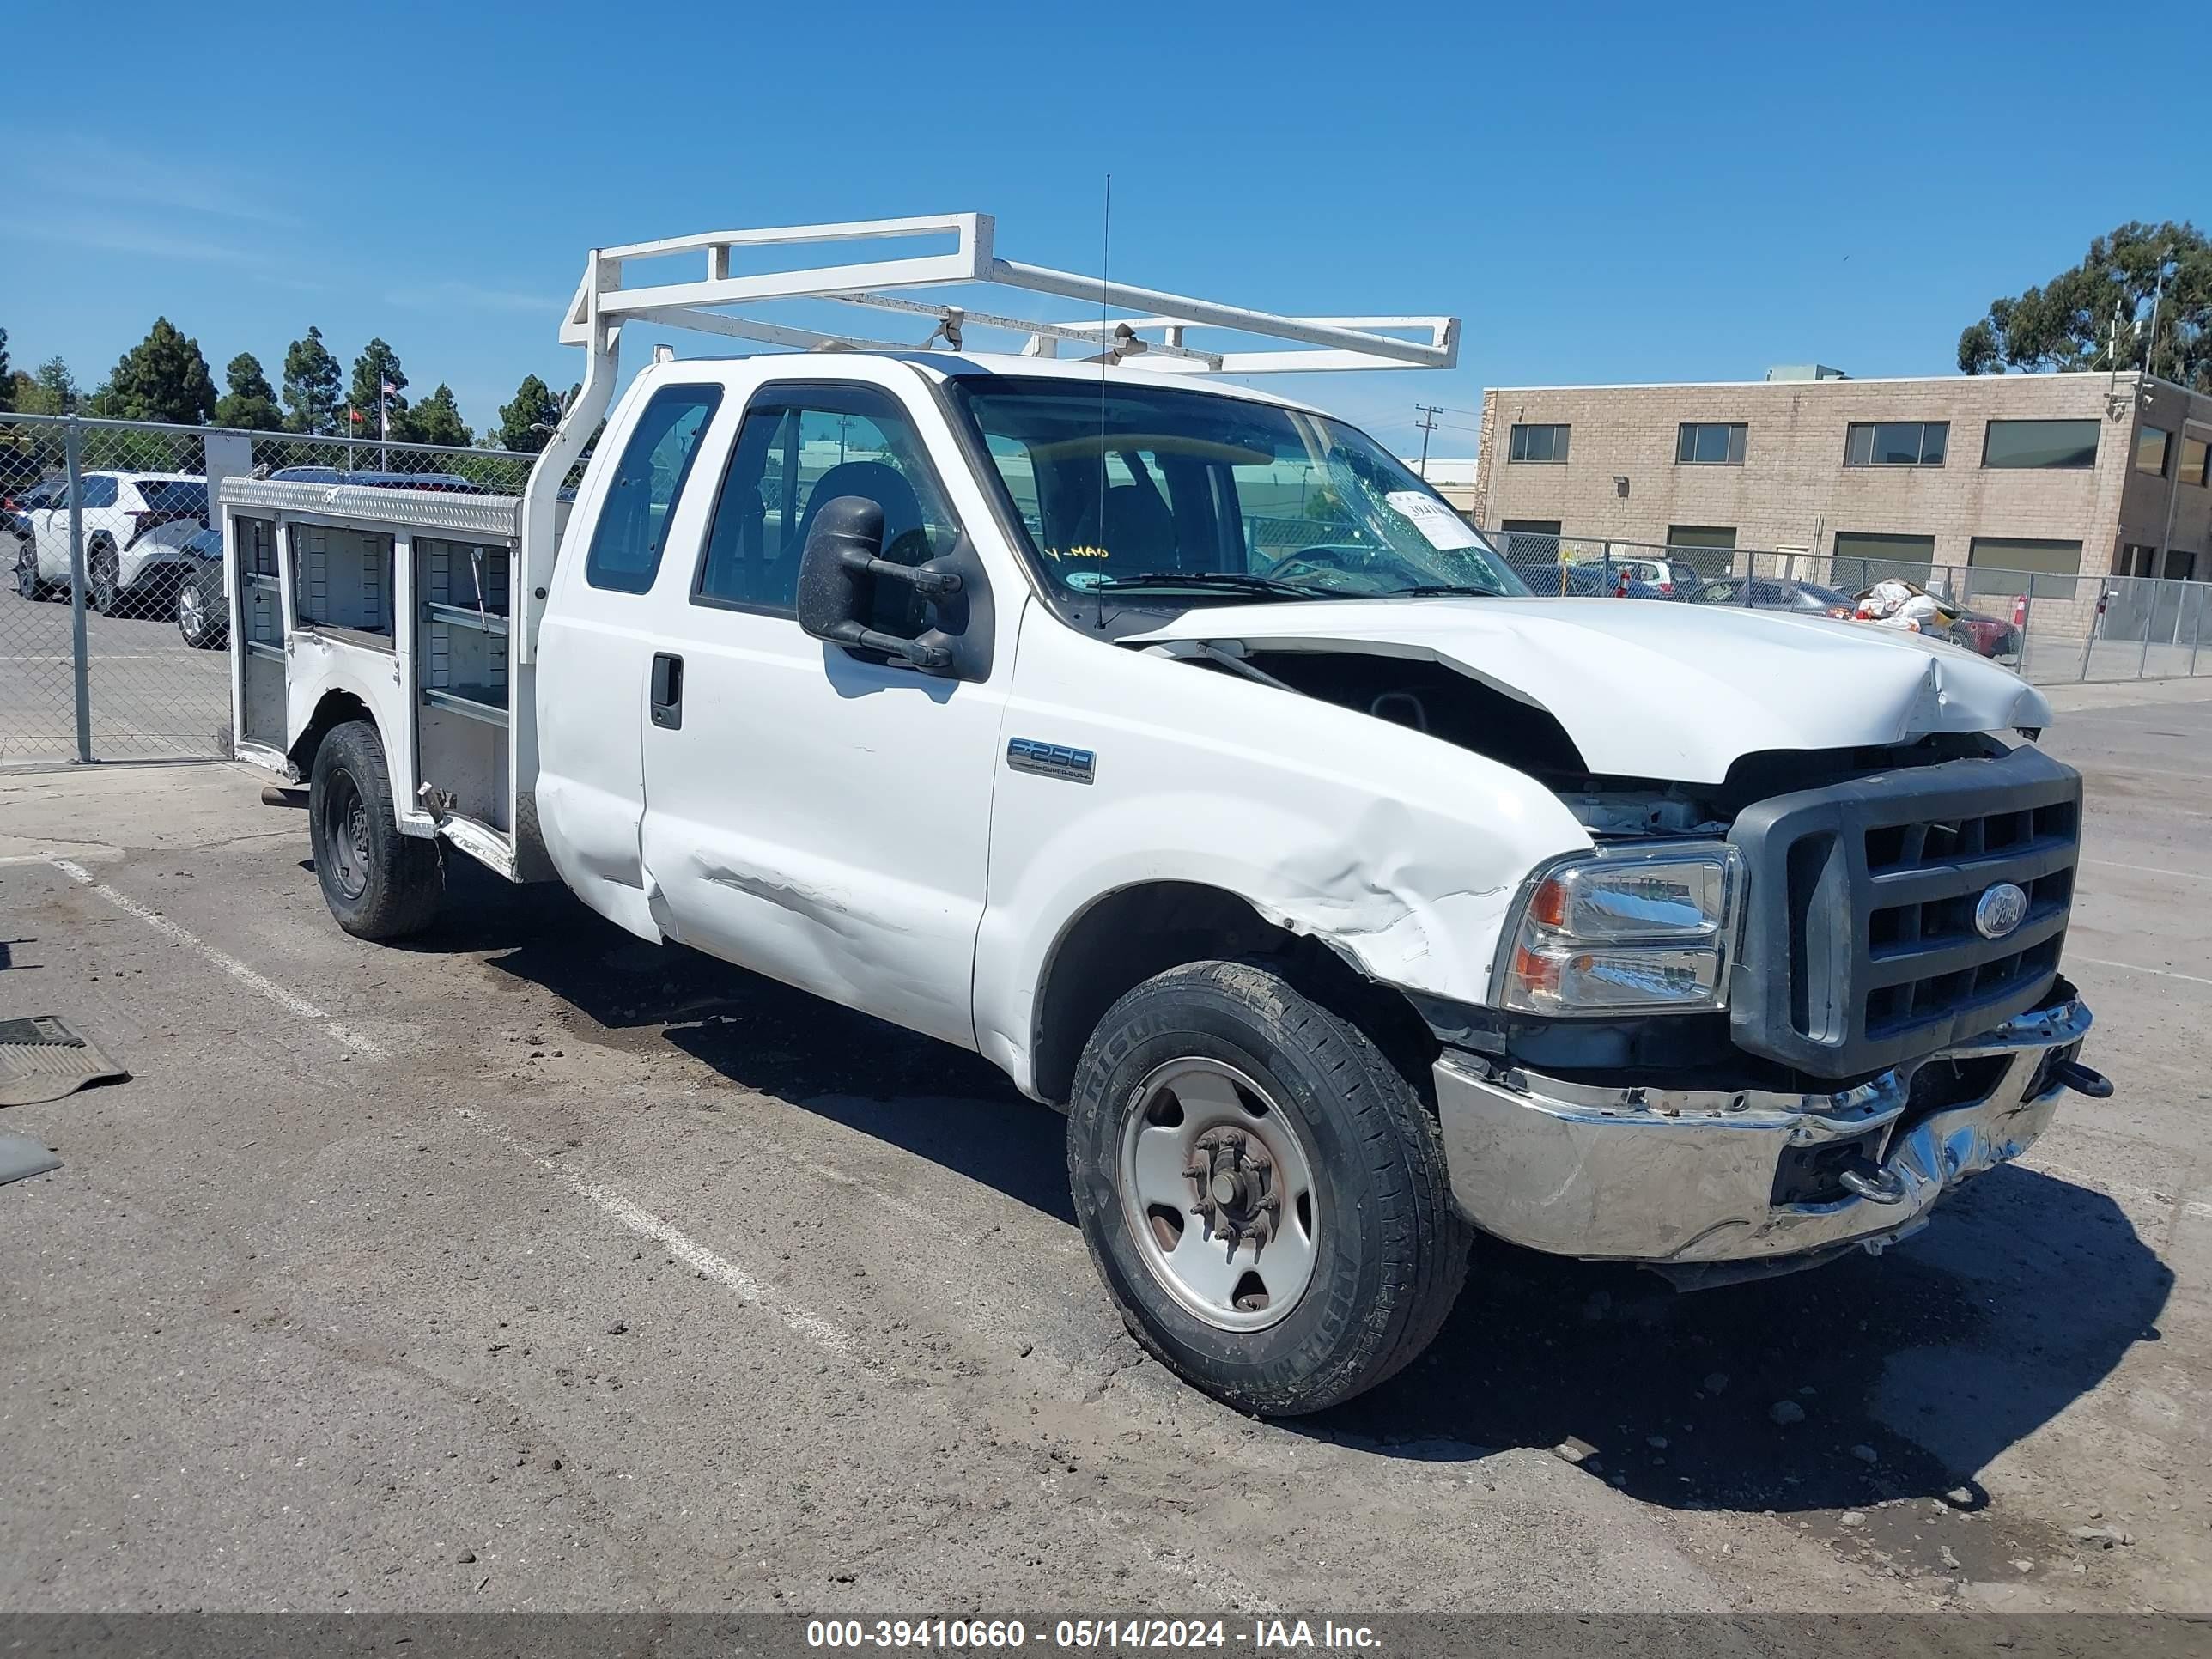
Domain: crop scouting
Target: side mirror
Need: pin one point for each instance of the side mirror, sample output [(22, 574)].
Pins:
[(837, 573)]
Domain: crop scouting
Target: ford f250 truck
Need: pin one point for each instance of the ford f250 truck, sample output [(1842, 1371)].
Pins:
[(1178, 750)]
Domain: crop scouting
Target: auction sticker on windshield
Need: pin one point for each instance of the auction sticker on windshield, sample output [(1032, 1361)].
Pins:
[(1444, 528)]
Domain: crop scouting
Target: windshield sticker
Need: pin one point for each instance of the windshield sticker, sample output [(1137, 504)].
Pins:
[(1085, 578), (1444, 528)]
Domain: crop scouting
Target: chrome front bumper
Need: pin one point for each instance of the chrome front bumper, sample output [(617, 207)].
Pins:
[(1697, 1176)]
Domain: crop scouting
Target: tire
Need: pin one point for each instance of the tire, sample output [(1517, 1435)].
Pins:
[(199, 613), (1385, 1249), (379, 883), (103, 575)]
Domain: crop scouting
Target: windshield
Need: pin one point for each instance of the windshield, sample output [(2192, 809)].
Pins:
[(1128, 488)]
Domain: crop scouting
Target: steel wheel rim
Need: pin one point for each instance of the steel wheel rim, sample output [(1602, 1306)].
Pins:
[(189, 613), (345, 834), (1216, 1186), (103, 585), (27, 572)]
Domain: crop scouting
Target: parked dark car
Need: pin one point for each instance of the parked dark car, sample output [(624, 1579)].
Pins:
[(1776, 593), (1987, 636), (202, 612), (17, 506), (1588, 580)]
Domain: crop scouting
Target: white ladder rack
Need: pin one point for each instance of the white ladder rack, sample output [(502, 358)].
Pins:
[(1328, 342)]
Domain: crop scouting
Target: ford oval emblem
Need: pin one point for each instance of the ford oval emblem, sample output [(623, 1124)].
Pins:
[(2001, 908)]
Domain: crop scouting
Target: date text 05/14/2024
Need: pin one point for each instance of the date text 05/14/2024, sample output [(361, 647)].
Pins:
[(990, 1635)]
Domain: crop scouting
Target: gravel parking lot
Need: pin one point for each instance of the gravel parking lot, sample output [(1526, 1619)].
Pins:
[(535, 1267)]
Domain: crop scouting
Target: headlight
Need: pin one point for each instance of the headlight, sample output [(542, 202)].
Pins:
[(1648, 930)]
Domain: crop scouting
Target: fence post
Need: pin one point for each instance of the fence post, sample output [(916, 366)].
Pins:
[(2196, 633), (73, 466), (2150, 612)]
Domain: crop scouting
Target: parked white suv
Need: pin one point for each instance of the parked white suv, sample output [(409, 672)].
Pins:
[(137, 528)]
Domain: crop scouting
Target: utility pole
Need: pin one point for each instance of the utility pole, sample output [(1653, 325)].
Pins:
[(1428, 412)]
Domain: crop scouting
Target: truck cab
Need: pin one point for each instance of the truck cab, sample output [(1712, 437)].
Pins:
[(1174, 746)]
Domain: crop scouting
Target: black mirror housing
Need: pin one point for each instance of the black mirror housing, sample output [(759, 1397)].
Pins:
[(838, 571)]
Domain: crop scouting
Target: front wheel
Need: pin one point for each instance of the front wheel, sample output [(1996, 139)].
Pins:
[(379, 883), (1263, 1190), (28, 584)]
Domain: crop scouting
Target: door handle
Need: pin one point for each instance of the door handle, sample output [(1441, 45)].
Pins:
[(667, 695)]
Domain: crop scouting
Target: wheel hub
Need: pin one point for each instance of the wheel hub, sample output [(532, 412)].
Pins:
[(1235, 1182), (1217, 1184)]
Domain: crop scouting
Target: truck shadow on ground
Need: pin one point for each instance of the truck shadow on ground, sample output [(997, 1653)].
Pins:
[(1912, 1370), (925, 1098), (1867, 1380)]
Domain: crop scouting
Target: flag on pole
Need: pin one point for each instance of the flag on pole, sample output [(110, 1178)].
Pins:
[(353, 415)]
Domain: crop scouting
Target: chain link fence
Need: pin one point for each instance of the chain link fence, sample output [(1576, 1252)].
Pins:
[(113, 625), (2051, 627), (113, 622)]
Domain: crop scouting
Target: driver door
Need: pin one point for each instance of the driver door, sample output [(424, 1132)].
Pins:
[(819, 816)]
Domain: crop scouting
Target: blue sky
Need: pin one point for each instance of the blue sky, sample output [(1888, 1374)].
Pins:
[(1603, 193)]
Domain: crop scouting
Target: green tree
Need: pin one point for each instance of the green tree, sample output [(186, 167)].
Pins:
[(251, 403), (162, 378), (311, 386), (7, 377), (377, 367), (437, 420), (49, 392), (2098, 315), (527, 423)]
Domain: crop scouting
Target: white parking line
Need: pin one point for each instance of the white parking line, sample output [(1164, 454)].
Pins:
[(680, 1244), (2132, 968), (288, 1001)]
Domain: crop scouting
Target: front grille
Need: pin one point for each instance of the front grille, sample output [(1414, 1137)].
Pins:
[(1861, 947)]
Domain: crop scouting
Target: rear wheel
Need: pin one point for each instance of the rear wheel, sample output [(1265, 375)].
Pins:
[(379, 883), (104, 578), (1262, 1191)]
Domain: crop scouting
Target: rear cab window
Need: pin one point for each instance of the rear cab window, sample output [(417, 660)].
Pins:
[(632, 529)]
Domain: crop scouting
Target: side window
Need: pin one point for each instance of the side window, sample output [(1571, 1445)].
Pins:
[(633, 524), (800, 449), (99, 490)]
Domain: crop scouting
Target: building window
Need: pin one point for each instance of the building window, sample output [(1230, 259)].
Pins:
[(1700, 535), (1709, 443), (2016, 564), (1538, 443), (1864, 557), (2152, 444), (2040, 443), (2195, 461), (1896, 443)]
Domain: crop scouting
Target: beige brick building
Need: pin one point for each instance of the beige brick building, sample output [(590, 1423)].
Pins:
[(2088, 474)]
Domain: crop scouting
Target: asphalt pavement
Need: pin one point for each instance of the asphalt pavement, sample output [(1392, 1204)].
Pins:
[(532, 1267)]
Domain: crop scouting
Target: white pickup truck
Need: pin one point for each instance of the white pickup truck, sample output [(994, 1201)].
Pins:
[(1176, 749)]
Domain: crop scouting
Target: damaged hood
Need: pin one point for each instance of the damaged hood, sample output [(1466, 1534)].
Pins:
[(1648, 688)]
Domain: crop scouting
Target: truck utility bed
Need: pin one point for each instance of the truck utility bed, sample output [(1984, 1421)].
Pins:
[(403, 598)]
